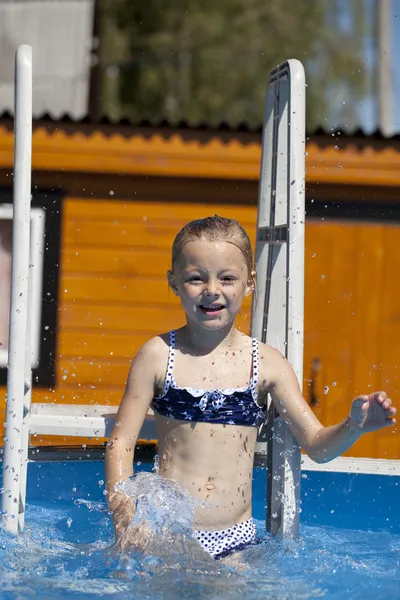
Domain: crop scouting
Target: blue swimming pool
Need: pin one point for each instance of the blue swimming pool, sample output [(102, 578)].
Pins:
[(349, 544)]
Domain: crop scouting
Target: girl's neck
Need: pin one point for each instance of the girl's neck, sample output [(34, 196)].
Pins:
[(206, 341)]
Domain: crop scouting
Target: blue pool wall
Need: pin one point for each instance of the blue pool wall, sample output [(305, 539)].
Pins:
[(346, 500)]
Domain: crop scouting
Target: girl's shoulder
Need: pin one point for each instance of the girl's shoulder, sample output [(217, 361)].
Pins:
[(267, 351), (155, 350), (152, 357), (270, 363), (272, 366), (156, 344)]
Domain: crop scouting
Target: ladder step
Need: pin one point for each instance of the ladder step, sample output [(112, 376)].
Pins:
[(82, 420), (273, 234)]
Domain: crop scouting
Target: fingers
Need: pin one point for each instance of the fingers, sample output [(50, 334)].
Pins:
[(360, 400), (382, 402), (379, 396), (382, 399), (390, 412), (387, 405), (390, 421)]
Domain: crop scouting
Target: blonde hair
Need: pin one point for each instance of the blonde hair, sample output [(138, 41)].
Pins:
[(214, 228)]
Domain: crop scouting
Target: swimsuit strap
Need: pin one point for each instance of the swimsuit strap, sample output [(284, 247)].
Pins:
[(254, 379), (171, 359)]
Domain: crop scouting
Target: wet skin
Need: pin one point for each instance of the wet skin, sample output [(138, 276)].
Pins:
[(214, 463)]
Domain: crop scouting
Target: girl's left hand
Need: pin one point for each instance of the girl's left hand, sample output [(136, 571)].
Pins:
[(373, 412)]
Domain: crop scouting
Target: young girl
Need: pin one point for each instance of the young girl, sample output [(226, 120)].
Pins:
[(207, 384)]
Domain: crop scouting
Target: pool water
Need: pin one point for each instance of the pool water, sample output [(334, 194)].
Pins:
[(347, 548)]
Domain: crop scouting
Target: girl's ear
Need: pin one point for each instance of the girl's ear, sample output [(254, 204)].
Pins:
[(251, 284), (172, 282)]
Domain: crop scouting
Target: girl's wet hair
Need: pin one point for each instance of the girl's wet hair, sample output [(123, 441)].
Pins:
[(214, 229)]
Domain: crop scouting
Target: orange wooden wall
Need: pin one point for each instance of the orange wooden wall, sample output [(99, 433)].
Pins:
[(113, 292), (352, 320), (114, 295)]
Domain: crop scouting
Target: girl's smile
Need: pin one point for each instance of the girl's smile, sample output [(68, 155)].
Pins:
[(212, 310)]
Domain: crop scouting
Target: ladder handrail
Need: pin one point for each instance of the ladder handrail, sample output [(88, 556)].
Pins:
[(19, 367), (280, 271)]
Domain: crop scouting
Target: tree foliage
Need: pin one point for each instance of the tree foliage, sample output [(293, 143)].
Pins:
[(208, 62)]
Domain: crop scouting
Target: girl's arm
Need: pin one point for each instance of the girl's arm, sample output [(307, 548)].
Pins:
[(368, 413), (139, 391)]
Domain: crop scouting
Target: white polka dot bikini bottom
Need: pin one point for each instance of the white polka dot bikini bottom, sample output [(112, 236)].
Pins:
[(223, 542)]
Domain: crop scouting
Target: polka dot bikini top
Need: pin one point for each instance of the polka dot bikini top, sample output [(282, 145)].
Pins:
[(229, 406)]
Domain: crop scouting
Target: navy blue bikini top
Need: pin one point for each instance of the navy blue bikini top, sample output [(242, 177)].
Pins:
[(229, 406)]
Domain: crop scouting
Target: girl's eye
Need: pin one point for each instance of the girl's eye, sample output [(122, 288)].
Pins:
[(194, 279), (228, 280)]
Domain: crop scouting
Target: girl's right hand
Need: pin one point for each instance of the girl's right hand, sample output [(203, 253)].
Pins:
[(135, 538), (122, 511)]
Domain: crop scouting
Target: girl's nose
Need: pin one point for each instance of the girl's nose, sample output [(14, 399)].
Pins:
[(212, 288)]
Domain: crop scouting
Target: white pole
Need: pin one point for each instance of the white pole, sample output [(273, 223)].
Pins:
[(17, 355), (278, 308), (26, 409)]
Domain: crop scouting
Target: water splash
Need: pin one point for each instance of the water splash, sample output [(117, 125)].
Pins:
[(160, 501), (164, 517)]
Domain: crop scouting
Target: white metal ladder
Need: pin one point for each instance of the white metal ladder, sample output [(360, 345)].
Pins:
[(278, 306), (23, 418)]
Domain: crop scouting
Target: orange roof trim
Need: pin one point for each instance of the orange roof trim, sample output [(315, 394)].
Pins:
[(176, 157)]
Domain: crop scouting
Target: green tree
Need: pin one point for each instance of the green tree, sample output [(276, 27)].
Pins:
[(208, 61)]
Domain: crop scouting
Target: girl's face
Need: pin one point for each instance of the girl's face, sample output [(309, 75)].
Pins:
[(211, 280)]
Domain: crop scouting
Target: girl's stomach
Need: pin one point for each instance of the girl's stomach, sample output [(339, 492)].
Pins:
[(214, 464)]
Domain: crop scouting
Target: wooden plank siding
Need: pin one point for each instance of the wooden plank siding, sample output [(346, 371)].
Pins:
[(352, 321), (114, 293), (116, 250), (114, 296)]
